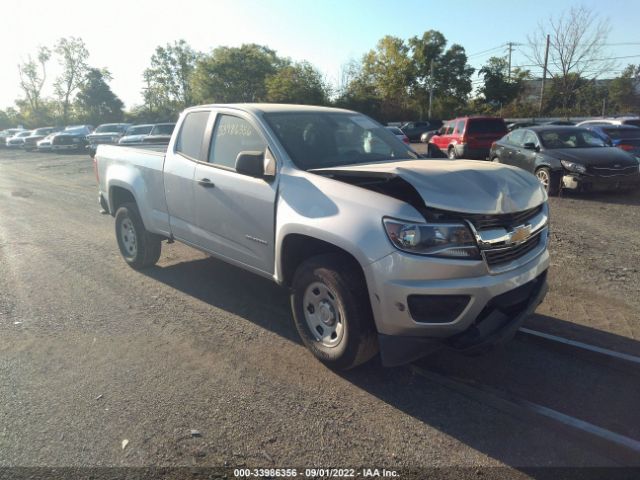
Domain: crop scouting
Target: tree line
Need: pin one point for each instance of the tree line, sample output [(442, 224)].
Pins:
[(415, 78)]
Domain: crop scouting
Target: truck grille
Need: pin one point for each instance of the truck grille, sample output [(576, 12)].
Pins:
[(506, 220), (502, 255)]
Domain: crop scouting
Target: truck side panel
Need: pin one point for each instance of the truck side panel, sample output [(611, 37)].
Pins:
[(139, 172)]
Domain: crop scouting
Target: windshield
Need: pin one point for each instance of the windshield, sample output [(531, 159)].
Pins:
[(77, 131), (23, 134), (141, 130), (110, 128), (41, 131), (578, 138), (163, 129), (328, 139)]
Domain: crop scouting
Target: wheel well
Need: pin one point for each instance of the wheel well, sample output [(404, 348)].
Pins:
[(297, 248), (117, 197)]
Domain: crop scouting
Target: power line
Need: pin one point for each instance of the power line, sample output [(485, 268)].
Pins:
[(486, 51)]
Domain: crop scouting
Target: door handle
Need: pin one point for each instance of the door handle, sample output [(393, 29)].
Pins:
[(206, 183)]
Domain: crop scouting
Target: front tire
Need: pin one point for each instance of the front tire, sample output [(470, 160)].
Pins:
[(552, 182), (451, 153), (332, 313), (139, 247)]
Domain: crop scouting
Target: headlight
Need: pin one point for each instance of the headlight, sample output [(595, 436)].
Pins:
[(448, 240), (573, 167)]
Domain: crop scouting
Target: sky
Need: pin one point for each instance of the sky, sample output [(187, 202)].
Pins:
[(122, 35)]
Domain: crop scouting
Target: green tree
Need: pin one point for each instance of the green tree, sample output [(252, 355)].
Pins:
[(380, 84), (297, 83), (234, 74), (168, 79), (72, 56), (624, 91), (451, 78), (498, 87), (95, 102)]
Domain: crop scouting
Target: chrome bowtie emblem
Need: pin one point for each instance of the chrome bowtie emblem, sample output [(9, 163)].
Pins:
[(520, 233)]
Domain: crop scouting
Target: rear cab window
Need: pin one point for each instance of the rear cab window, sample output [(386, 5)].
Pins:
[(191, 137)]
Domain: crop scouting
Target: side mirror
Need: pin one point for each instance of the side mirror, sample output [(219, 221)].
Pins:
[(251, 164), (530, 146)]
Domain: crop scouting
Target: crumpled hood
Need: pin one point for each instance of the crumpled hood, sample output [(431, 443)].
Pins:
[(466, 186)]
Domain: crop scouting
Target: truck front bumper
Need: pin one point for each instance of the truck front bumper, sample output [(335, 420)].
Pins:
[(421, 304)]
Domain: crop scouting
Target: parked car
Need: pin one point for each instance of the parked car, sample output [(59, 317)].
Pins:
[(566, 123), (135, 134), (72, 138), (31, 142), (426, 136), (8, 133), (568, 157), (17, 141), (516, 125), (633, 121), (625, 137), (468, 137), (44, 145), (106, 133), (160, 133), (413, 130), (399, 134), (381, 250)]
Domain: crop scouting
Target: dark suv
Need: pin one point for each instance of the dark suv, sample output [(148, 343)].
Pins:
[(413, 130), (468, 137)]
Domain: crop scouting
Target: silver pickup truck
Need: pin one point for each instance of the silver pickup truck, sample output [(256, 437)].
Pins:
[(382, 250)]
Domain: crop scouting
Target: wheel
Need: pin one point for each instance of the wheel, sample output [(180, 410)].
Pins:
[(332, 313), (495, 159), (139, 247), (550, 181), (451, 153)]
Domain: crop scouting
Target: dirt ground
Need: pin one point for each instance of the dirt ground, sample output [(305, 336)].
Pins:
[(94, 353)]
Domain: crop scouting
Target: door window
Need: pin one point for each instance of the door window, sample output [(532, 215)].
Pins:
[(191, 136), (515, 137), (448, 128), (231, 136), (530, 137), (460, 127)]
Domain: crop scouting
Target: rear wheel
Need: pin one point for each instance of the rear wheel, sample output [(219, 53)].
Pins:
[(139, 247), (332, 313), (550, 181)]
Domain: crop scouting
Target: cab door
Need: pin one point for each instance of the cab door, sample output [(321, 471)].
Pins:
[(179, 169), (235, 213)]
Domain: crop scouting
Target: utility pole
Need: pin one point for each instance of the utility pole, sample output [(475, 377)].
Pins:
[(544, 72), (510, 46), (430, 89)]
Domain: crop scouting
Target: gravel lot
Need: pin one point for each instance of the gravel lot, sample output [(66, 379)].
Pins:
[(94, 353)]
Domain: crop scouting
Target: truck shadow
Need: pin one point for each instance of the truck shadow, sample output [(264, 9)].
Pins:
[(468, 421)]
